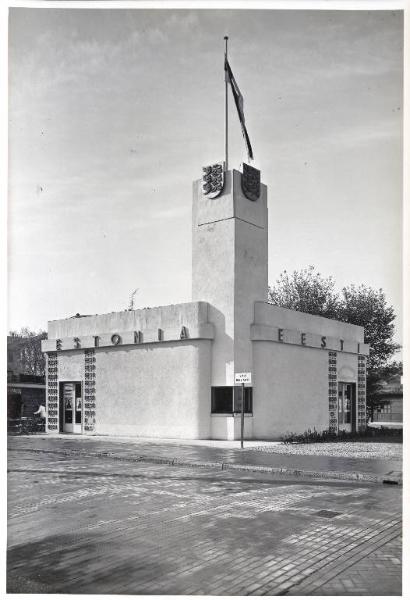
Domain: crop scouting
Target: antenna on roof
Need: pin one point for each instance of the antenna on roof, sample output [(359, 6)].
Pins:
[(132, 298)]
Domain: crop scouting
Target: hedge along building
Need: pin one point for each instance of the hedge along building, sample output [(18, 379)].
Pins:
[(169, 371)]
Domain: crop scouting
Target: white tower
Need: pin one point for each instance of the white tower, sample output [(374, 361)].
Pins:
[(230, 269)]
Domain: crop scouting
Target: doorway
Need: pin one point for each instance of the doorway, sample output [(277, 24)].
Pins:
[(346, 407), (71, 406)]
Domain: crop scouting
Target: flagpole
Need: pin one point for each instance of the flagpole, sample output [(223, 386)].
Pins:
[(226, 104)]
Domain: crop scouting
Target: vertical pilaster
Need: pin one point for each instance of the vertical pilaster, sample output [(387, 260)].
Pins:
[(89, 391), (52, 404), (332, 379), (361, 392)]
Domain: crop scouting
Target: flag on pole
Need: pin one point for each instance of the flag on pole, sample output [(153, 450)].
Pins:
[(239, 105)]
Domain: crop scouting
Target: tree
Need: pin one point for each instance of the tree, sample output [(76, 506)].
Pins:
[(362, 305), (26, 346), (306, 291)]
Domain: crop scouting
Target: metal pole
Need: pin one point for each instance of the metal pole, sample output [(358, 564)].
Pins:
[(242, 413), (226, 103)]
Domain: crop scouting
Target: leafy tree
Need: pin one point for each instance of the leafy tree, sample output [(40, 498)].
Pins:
[(26, 346), (306, 291), (362, 305)]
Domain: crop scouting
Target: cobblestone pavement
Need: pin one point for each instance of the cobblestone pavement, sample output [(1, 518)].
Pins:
[(94, 525)]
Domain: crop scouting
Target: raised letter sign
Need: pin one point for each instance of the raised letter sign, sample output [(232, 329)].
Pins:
[(58, 345), (116, 339), (184, 333), (77, 342), (280, 335), (303, 339), (137, 337), (160, 335), (96, 341), (323, 344), (341, 344)]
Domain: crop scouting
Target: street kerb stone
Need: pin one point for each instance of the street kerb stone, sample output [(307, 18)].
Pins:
[(179, 462), (394, 478)]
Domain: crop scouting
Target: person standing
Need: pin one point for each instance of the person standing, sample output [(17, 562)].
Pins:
[(41, 418)]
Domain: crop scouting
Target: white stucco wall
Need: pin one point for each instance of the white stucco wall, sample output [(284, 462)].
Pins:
[(213, 280), (290, 389), (154, 391), (71, 366), (151, 390), (228, 427)]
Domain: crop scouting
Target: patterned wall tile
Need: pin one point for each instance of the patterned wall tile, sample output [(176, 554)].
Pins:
[(361, 392), (52, 407), (89, 390), (332, 381)]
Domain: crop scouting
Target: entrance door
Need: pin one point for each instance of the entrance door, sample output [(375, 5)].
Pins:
[(346, 406), (72, 407)]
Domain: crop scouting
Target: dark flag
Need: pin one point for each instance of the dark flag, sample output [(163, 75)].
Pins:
[(239, 105)]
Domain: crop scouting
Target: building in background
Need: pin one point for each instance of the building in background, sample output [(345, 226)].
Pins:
[(25, 390), (169, 371), (387, 411)]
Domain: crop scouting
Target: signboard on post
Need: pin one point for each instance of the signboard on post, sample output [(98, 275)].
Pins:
[(243, 377)]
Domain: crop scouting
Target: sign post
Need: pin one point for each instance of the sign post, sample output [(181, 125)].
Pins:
[(242, 413), (243, 378)]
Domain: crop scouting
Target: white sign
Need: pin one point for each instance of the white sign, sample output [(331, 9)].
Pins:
[(243, 377)]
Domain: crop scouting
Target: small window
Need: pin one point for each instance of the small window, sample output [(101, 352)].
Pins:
[(222, 401), (228, 399)]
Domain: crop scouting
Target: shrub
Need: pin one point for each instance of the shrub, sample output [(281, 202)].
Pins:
[(309, 437)]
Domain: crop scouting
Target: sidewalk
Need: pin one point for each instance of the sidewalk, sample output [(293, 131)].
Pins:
[(219, 455)]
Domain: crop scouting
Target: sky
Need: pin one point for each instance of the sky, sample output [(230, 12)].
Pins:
[(113, 113)]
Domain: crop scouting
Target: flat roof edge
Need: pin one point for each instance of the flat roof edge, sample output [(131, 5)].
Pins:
[(119, 312), (319, 318)]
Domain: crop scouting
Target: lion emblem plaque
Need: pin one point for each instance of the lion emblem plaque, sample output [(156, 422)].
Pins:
[(251, 182), (213, 178)]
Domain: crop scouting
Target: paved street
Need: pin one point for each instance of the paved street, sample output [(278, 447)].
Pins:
[(228, 453), (88, 524)]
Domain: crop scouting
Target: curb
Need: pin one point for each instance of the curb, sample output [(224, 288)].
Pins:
[(221, 466)]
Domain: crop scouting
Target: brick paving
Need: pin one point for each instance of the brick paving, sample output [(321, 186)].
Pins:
[(358, 578), (81, 524)]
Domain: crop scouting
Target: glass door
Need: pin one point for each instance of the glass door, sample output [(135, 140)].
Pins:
[(345, 406), (72, 407)]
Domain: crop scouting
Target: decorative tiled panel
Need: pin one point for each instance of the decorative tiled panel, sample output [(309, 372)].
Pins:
[(89, 390), (332, 381), (52, 391), (361, 392)]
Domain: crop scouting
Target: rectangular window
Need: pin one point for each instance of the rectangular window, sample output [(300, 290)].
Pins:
[(228, 399), (238, 399)]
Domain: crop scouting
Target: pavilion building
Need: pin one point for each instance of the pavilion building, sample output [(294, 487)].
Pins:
[(169, 371)]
